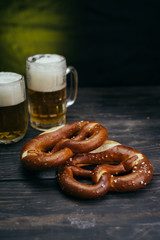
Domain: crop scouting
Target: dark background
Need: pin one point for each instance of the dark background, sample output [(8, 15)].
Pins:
[(109, 42)]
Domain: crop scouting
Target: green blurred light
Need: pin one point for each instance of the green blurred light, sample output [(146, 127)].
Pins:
[(32, 27)]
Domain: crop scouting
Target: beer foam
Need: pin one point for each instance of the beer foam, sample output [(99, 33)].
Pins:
[(8, 78), (11, 90), (49, 59), (46, 73)]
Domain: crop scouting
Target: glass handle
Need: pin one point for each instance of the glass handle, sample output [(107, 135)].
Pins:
[(73, 85)]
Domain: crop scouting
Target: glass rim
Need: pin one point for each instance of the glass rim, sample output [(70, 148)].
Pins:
[(21, 77), (38, 56)]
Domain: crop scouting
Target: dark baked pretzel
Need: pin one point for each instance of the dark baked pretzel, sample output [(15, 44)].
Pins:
[(57, 145), (75, 188), (131, 172)]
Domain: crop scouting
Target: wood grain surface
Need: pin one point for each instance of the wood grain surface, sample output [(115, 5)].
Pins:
[(32, 206)]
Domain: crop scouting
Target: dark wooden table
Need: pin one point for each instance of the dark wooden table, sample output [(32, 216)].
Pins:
[(32, 206)]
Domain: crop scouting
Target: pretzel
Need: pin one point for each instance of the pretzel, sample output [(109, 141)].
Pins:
[(56, 145), (131, 171)]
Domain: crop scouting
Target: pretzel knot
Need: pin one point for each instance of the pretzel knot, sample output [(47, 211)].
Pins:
[(57, 145), (73, 146), (119, 168)]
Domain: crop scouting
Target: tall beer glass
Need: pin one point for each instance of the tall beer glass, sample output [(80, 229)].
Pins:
[(47, 93), (13, 107)]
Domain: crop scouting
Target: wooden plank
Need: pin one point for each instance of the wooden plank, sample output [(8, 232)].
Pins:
[(39, 209), (32, 205), (37, 197), (130, 232)]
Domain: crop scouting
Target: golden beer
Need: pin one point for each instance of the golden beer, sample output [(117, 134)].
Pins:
[(47, 108), (13, 107), (13, 122), (46, 80)]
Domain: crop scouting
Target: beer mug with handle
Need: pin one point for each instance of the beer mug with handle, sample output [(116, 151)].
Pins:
[(13, 107), (47, 90)]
